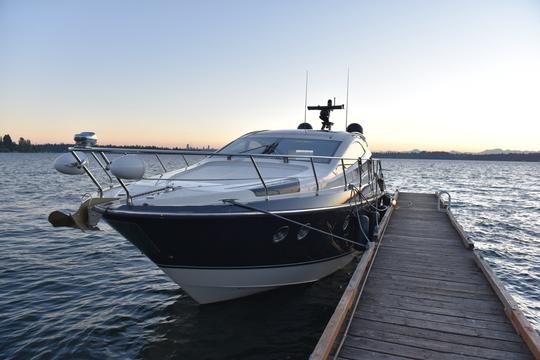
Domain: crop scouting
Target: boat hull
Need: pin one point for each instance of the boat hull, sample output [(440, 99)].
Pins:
[(222, 257), (221, 284)]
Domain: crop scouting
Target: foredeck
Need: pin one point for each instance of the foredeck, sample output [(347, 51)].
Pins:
[(429, 296)]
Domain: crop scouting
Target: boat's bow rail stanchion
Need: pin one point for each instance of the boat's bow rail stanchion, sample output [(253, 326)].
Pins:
[(128, 167)]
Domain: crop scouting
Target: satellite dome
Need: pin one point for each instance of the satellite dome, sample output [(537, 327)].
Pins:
[(305, 126), (354, 127)]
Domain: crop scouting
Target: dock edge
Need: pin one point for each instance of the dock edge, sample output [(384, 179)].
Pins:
[(327, 341)]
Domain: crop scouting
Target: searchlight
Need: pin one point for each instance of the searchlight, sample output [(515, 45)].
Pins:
[(85, 139)]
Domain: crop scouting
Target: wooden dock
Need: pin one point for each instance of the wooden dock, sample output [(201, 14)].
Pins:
[(422, 292)]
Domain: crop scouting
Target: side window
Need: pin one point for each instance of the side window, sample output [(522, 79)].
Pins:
[(354, 151), (252, 144)]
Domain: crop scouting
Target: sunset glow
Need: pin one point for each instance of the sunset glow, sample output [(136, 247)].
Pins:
[(445, 75)]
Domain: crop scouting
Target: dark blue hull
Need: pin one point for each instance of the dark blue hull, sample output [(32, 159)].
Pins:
[(238, 240)]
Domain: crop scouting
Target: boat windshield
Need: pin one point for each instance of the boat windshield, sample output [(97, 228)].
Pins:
[(283, 146)]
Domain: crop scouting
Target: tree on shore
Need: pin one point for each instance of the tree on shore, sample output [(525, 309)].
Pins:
[(7, 143), (24, 145)]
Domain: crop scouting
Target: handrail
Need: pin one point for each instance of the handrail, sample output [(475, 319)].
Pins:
[(286, 158), (315, 176), (344, 174), (102, 166), (88, 172), (260, 176), (440, 202), (200, 153), (160, 162)]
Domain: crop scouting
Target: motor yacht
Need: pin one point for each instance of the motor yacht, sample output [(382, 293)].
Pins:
[(272, 208)]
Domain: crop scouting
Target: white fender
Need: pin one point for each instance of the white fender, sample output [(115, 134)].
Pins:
[(67, 164), (129, 167)]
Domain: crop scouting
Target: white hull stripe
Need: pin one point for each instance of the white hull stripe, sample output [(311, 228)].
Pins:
[(257, 266), (214, 285), (173, 214)]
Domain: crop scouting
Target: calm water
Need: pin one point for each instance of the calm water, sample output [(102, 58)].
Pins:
[(68, 294)]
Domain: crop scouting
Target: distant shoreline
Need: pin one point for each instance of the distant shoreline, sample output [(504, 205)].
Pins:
[(417, 155), (443, 155), (60, 148)]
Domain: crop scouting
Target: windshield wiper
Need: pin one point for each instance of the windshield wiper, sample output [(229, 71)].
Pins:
[(268, 148), (251, 149), (271, 148)]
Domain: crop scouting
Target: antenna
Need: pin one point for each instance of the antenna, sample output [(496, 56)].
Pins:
[(347, 101), (305, 99)]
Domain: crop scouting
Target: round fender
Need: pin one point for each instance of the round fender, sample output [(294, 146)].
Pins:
[(129, 167), (67, 164)]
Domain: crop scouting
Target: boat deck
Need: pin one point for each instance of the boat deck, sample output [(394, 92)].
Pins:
[(425, 294)]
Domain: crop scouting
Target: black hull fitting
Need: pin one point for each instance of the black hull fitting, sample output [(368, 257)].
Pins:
[(242, 240)]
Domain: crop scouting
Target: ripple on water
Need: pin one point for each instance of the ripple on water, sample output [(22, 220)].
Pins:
[(66, 294)]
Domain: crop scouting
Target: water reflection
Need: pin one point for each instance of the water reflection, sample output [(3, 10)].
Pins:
[(284, 323)]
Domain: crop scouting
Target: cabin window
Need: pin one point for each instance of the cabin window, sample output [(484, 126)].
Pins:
[(354, 151), (249, 145), (283, 146)]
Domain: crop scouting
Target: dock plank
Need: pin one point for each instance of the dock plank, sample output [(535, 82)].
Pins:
[(405, 351), (427, 280), (355, 353), (440, 326), (441, 345), (399, 303), (426, 289), (425, 296), (489, 306), (471, 277), (507, 346), (370, 307)]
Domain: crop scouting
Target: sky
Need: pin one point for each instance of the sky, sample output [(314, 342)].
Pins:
[(431, 75)]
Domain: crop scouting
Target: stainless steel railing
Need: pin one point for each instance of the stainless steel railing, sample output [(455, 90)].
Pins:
[(372, 166)]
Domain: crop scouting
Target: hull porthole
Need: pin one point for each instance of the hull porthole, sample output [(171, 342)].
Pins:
[(303, 232), (280, 234)]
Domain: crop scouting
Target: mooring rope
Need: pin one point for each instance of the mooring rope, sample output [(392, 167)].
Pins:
[(355, 207), (358, 192)]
